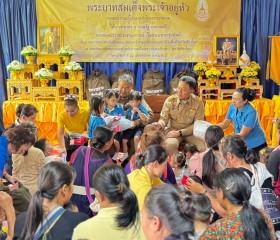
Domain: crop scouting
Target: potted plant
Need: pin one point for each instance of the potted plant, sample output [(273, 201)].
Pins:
[(248, 74), (66, 52), (30, 53), (15, 67), (199, 69), (73, 68), (213, 74), (44, 75)]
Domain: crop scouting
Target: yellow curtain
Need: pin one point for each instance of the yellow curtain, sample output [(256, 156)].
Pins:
[(275, 59)]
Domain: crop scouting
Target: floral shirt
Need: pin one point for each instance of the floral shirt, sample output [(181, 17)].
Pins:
[(231, 227)]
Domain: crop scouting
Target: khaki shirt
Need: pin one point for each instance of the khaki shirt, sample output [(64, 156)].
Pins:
[(123, 101), (176, 115)]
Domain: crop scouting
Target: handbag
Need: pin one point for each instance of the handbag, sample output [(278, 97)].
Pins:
[(269, 199)]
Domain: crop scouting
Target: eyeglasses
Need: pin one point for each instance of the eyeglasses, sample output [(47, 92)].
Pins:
[(70, 97)]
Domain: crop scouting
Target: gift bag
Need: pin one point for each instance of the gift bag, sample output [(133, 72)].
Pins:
[(200, 128), (123, 123)]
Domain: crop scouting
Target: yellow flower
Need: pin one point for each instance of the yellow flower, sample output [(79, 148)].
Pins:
[(199, 67), (213, 73)]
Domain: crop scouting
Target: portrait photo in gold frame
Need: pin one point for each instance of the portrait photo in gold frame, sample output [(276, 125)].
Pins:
[(49, 38), (226, 49)]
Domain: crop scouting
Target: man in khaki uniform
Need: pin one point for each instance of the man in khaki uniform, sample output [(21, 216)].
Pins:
[(179, 113)]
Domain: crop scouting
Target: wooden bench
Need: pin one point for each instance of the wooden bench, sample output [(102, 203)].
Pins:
[(155, 102)]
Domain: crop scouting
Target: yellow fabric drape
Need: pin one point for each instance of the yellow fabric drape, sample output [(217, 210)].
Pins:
[(276, 100), (275, 59), (215, 112)]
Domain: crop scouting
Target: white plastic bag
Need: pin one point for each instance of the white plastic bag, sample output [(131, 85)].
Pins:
[(123, 123), (200, 128)]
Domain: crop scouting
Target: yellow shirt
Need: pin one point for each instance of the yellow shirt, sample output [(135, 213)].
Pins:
[(76, 124), (140, 184), (103, 226)]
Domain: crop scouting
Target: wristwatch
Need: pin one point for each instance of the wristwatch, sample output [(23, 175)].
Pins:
[(181, 134)]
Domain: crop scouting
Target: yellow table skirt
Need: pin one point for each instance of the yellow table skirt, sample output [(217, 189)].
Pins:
[(215, 112)]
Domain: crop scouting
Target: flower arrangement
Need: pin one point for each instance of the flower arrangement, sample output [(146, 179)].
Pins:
[(249, 72), (200, 67), (255, 66), (29, 51), (66, 51), (44, 73), (73, 66), (15, 66), (213, 73)]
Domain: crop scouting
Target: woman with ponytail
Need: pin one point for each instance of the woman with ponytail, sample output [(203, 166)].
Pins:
[(46, 218), (237, 155), (168, 214), (151, 166), (243, 220), (83, 194), (118, 217), (206, 164)]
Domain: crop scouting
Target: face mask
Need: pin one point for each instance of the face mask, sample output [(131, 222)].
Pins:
[(95, 206)]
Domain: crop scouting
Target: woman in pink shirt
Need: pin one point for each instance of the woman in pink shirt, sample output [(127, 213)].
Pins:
[(206, 164)]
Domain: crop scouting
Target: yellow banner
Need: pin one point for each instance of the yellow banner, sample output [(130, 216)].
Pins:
[(275, 59), (140, 30)]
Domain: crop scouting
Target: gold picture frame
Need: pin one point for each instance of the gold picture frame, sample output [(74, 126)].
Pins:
[(49, 38), (227, 50)]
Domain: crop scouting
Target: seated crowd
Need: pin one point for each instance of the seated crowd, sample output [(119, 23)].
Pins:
[(213, 187)]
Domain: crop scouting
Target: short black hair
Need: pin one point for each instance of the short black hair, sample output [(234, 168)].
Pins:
[(189, 80)]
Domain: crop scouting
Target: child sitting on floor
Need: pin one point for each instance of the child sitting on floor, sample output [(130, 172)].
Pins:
[(178, 165), (137, 111), (47, 149), (189, 150)]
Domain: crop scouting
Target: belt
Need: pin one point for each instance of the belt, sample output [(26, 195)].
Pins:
[(81, 190)]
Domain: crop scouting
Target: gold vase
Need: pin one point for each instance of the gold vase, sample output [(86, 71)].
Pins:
[(30, 59), (16, 75), (44, 82), (73, 75), (200, 74), (248, 81), (66, 59), (212, 82)]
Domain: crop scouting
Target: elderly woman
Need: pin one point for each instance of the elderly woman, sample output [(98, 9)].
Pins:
[(245, 119)]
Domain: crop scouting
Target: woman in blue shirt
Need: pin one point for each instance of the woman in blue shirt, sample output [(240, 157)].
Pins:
[(245, 119)]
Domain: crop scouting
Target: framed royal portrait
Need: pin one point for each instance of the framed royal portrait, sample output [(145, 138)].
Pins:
[(226, 49), (49, 38)]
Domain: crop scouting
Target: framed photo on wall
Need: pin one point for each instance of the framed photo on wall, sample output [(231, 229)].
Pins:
[(226, 48), (49, 38)]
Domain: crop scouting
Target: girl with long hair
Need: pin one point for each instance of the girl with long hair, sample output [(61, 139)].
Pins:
[(46, 218), (118, 217), (243, 220)]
